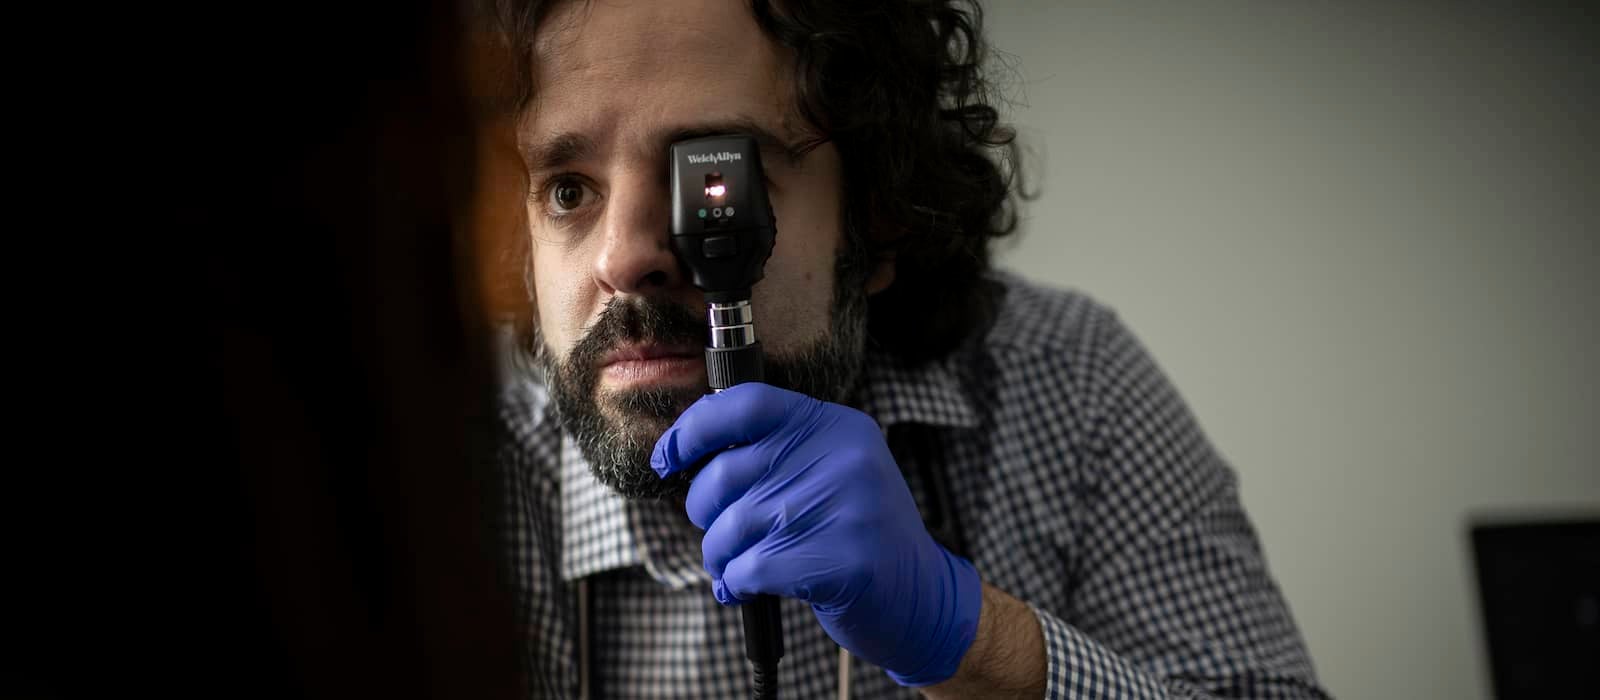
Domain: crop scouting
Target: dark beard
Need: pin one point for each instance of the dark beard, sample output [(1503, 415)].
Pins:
[(616, 432)]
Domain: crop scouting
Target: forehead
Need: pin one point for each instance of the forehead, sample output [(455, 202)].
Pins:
[(619, 72)]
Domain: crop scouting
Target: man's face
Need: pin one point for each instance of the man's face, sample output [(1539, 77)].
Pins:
[(622, 326)]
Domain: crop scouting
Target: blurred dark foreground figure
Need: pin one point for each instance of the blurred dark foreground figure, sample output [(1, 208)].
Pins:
[(289, 396)]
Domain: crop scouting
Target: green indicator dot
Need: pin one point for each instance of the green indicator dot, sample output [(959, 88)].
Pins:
[(702, 213)]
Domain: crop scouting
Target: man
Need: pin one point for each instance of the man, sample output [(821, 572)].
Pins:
[(973, 486)]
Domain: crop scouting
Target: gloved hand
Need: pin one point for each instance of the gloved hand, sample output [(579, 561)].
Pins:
[(802, 499)]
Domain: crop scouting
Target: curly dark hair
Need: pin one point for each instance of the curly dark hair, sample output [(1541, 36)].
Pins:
[(930, 172)]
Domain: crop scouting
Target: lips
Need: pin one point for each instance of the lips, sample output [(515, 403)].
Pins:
[(652, 365), (646, 352)]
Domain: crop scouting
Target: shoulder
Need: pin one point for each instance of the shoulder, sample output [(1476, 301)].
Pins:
[(1044, 328), (528, 435), (1076, 348), (1061, 364)]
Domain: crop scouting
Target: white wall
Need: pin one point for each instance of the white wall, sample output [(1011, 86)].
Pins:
[(1362, 239)]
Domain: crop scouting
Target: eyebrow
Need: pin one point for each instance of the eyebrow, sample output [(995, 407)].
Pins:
[(565, 148), (560, 151)]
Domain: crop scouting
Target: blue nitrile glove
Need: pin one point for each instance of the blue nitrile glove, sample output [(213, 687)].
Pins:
[(802, 499)]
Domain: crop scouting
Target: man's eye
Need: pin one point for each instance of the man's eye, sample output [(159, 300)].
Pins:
[(567, 194)]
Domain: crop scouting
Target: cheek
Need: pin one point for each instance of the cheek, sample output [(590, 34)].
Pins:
[(557, 286), (792, 301)]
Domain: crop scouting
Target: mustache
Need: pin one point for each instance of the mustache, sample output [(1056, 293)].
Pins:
[(637, 320)]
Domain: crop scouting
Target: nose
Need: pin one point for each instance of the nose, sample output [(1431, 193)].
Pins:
[(635, 256)]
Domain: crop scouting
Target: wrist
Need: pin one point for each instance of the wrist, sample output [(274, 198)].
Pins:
[(1007, 657)]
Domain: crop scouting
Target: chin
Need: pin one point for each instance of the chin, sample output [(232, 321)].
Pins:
[(644, 415)]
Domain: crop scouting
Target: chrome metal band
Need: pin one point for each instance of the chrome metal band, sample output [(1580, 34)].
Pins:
[(735, 314), (732, 325), (732, 336)]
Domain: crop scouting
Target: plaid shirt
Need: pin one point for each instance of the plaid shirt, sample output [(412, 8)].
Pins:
[(1081, 483)]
